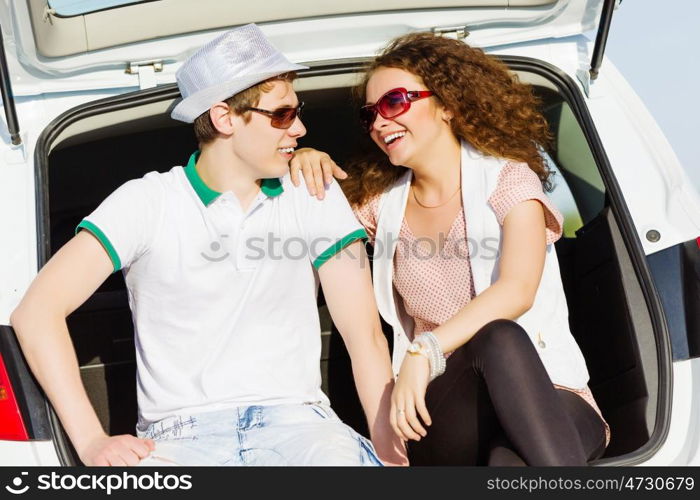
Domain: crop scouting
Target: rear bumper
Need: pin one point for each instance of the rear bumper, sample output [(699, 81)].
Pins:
[(28, 453)]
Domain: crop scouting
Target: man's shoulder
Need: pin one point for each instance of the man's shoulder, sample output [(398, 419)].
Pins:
[(153, 183), (290, 190), (300, 194), (173, 177), (147, 193)]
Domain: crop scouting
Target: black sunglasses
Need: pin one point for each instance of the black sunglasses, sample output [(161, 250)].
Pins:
[(281, 117)]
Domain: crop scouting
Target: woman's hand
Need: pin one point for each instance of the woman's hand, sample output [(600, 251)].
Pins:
[(408, 398), (317, 168)]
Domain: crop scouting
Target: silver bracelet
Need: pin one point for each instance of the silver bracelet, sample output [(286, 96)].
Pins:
[(436, 356)]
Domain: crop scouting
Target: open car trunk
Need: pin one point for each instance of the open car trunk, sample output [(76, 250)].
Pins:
[(88, 152)]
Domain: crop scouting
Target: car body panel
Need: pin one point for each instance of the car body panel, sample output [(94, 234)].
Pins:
[(682, 444), (18, 261)]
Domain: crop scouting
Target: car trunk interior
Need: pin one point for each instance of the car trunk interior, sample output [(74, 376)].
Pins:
[(609, 316)]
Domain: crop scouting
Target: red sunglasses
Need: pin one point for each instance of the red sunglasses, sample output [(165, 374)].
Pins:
[(392, 104), (281, 117)]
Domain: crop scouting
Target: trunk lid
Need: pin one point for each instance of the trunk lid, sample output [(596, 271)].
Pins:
[(70, 45)]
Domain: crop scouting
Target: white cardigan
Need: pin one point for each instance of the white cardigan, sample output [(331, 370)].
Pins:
[(546, 322)]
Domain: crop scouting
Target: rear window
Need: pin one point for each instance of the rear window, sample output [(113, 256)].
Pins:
[(68, 8)]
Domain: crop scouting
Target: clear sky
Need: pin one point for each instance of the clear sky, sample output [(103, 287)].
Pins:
[(654, 43)]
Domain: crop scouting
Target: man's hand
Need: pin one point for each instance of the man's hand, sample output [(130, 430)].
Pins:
[(391, 449), (121, 450), (317, 168)]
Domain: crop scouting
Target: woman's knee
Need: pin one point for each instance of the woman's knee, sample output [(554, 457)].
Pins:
[(500, 338)]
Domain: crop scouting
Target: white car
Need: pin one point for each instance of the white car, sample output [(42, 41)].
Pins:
[(86, 91)]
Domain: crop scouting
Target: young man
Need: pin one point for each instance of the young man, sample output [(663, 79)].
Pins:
[(219, 260)]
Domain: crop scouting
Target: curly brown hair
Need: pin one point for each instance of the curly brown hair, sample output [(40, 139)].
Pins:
[(493, 111)]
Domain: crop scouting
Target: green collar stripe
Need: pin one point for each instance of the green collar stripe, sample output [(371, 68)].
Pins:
[(205, 193), (102, 238), (270, 187), (360, 234)]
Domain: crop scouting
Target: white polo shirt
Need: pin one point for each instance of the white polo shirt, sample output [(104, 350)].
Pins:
[(223, 301)]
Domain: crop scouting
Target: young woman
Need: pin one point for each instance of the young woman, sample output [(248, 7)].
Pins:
[(464, 267)]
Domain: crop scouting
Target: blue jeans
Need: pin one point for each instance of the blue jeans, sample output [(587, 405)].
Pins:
[(301, 434)]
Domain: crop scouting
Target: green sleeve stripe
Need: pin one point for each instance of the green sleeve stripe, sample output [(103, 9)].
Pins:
[(360, 234), (102, 238)]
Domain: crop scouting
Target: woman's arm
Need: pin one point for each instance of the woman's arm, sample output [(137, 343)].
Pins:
[(62, 285), (521, 264)]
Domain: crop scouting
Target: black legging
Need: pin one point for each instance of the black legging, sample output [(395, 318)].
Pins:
[(496, 405)]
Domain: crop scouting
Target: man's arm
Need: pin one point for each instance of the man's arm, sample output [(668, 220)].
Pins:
[(347, 287), (62, 285)]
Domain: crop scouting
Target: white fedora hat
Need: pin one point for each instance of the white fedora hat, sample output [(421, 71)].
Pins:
[(230, 63)]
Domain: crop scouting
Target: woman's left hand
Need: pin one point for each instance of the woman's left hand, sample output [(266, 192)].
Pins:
[(408, 398), (317, 168)]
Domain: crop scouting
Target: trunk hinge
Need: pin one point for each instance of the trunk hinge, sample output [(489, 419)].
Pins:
[(49, 13), (8, 98), (457, 32), (146, 71)]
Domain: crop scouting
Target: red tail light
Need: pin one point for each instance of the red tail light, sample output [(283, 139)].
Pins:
[(11, 422)]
